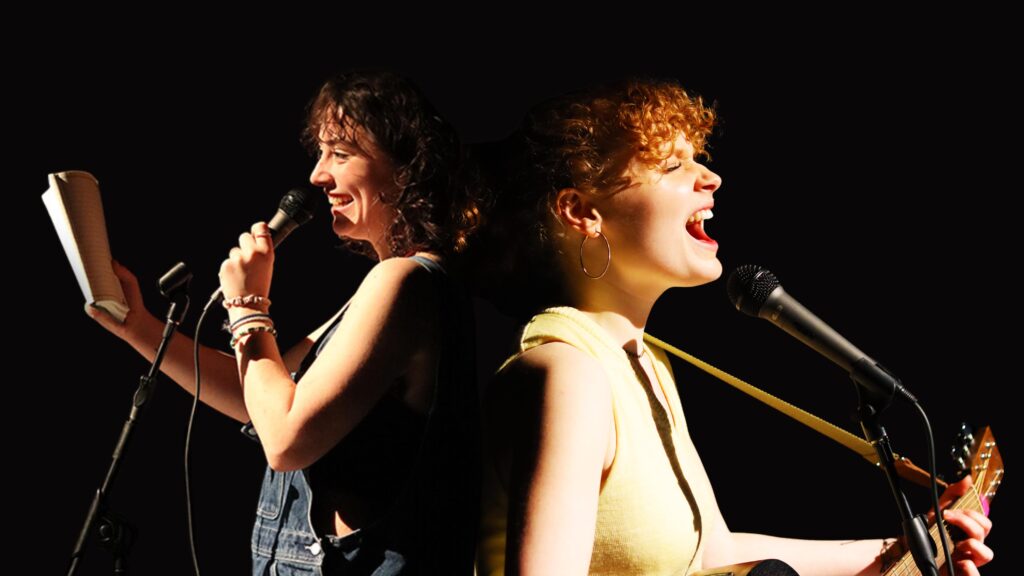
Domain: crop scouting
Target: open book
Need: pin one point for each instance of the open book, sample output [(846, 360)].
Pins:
[(73, 201)]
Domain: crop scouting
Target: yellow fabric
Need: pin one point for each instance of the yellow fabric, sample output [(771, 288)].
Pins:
[(648, 522)]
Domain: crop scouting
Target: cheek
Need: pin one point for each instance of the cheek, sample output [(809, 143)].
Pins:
[(658, 224), (376, 211)]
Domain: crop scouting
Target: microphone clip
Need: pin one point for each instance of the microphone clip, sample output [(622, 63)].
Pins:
[(876, 385)]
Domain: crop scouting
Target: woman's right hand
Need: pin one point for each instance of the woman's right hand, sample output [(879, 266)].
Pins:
[(139, 327)]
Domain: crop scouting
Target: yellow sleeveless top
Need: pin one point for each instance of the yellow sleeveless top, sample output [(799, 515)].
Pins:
[(648, 516)]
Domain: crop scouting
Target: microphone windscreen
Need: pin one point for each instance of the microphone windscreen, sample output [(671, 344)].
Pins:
[(749, 286), (298, 203)]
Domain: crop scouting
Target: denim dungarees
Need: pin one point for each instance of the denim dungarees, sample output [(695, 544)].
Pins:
[(421, 534)]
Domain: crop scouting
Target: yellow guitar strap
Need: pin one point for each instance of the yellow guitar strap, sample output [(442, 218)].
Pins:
[(859, 445)]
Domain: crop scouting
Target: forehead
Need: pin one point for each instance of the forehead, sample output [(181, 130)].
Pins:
[(680, 146), (647, 166), (348, 135), (334, 130)]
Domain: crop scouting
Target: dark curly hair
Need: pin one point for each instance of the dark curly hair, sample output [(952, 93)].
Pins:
[(435, 211), (583, 140)]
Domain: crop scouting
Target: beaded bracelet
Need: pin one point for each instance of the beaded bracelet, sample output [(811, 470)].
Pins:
[(252, 330), (239, 301)]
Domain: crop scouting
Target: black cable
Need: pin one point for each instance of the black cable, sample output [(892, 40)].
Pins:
[(943, 535), (188, 437)]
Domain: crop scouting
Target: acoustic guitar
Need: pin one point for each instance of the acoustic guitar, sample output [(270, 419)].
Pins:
[(976, 455)]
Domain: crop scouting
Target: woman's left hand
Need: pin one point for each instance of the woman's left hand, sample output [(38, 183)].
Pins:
[(970, 552), (250, 265)]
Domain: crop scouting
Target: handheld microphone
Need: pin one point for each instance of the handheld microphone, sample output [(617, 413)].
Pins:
[(757, 292), (294, 210)]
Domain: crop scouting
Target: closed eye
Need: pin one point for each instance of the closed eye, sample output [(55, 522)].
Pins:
[(679, 164)]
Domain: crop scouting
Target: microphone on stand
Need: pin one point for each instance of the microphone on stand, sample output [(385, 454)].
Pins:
[(757, 292)]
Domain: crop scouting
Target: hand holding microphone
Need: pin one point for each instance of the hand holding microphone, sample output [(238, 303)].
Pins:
[(249, 266)]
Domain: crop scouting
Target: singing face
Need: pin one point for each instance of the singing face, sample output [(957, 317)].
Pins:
[(355, 177), (656, 227)]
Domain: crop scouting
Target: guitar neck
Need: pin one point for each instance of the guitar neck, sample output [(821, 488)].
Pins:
[(906, 565), (985, 466)]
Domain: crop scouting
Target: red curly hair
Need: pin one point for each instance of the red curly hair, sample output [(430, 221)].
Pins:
[(586, 140)]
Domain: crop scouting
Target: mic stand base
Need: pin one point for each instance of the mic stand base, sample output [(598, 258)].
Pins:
[(116, 534)]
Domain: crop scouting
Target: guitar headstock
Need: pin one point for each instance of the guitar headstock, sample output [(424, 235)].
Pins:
[(976, 454)]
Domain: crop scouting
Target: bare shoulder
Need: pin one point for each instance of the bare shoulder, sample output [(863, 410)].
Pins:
[(396, 271), (550, 404), (397, 280), (554, 370)]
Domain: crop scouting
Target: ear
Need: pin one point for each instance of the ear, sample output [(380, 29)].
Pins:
[(577, 211)]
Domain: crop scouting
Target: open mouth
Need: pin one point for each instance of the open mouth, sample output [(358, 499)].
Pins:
[(695, 225), (340, 199)]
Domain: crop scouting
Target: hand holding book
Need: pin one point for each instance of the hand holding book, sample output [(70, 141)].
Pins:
[(76, 209)]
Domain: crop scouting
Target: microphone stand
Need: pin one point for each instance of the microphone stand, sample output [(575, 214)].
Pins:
[(872, 403), (114, 533)]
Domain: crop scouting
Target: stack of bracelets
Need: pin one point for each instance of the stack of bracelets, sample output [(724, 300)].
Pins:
[(250, 323)]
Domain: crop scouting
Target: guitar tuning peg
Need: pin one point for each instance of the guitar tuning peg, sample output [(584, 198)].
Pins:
[(958, 457), (965, 434), (965, 451)]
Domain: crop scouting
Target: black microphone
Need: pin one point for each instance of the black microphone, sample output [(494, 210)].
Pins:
[(295, 209), (757, 292)]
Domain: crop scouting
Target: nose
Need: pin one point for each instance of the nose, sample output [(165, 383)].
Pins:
[(708, 181), (320, 176)]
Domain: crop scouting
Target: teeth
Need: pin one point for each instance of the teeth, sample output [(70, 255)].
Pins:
[(700, 216), (339, 200)]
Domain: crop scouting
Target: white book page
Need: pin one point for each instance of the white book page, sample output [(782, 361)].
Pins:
[(76, 209)]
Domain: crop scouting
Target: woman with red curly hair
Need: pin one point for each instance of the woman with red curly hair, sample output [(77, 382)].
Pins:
[(589, 467)]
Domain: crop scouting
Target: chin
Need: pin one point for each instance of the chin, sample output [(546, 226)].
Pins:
[(717, 273), (344, 229), (700, 275)]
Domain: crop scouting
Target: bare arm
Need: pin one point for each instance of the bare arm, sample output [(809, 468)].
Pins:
[(391, 318), (551, 416), (807, 557), (142, 331), (722, 547), (842, 557)]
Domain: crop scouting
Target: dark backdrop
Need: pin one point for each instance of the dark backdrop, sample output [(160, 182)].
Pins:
[(865, 170)]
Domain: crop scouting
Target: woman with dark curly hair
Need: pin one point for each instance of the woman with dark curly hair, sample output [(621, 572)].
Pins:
[(369, 425), (589, 466)]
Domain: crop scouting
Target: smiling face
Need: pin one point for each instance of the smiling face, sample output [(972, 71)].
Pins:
[(355, 174), (656, 225)]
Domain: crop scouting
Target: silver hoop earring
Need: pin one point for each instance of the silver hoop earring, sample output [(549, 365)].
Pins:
[(606, 264)]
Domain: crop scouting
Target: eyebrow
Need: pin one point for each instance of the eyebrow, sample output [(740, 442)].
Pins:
[(339, 142), (684, 151)]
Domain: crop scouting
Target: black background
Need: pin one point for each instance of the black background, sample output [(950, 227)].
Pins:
[(869, 170)]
